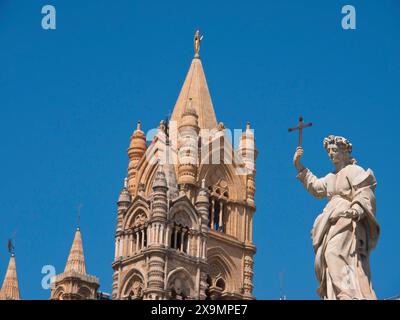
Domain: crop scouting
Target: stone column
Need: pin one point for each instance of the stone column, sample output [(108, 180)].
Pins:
[(130, 244), (248, 275), (162, 234), (221, 212), (156, 276), (182, 238), (148, 231), (116, 249), (198, 246), (203, 285), (175, 237), (188, 243), (119, 247), (167, 236), (212, 214), (126, 245)]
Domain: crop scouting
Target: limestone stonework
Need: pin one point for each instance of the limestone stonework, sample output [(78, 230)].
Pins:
[(74, 283), (184, 221), (346, 231), (10, 288)]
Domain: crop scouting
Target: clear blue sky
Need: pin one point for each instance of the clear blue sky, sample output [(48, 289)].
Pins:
[(70, 98)]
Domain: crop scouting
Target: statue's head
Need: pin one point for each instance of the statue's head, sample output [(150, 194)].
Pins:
[(339, 149)]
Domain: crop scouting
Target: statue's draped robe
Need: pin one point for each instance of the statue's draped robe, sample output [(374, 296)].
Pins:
[(342, 248)]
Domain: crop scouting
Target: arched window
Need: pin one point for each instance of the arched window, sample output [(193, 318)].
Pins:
[(179, 238), (135, 236), (217, 214), (139, 238)]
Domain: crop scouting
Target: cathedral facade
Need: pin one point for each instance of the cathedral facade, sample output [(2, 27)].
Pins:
[(184, 219)]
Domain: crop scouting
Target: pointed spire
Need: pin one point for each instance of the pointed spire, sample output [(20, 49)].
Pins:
[(76, 258), (195, 87), (10, 288)]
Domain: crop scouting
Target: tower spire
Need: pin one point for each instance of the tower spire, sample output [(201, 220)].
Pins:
[(10, 288), (76, 258), (74, 283), (195, 88)]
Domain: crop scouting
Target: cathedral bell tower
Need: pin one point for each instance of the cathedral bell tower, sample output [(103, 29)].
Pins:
[(185, 214)]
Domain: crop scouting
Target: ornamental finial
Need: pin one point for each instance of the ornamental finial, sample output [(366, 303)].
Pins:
[(197, 41)]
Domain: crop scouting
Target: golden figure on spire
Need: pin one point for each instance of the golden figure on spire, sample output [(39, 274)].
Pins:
[(197, 42)]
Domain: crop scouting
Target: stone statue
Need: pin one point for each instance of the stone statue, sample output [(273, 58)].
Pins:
[(197, 41), (346, 231)]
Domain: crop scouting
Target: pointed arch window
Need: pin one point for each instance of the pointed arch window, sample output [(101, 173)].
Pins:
[(179, 239), (217, 214)]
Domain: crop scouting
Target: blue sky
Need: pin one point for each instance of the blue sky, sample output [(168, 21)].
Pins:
[(70, 99)]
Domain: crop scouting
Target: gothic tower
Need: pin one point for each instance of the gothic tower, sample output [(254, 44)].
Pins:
[(185, 213), (74, 283)]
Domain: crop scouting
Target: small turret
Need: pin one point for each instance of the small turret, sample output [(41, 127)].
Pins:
[(188, 147), (248, 152), (124, 196), (124, 201), (160, 191), (247, 148), (203, 205), (136, 150)]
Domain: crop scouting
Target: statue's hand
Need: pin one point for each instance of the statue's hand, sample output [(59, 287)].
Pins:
[(352, 213), (296, 158)]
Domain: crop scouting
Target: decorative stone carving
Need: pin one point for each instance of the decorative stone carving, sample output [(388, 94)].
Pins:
[(182, 219), (139, 219), (137, 291)]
